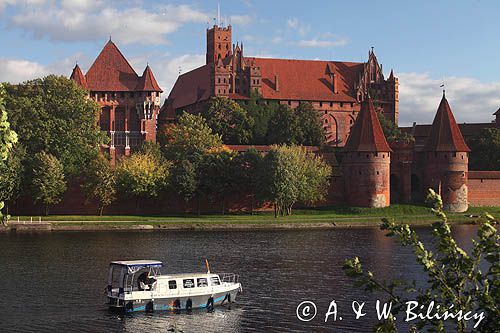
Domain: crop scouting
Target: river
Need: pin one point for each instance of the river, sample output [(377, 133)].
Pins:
[(55, 281)]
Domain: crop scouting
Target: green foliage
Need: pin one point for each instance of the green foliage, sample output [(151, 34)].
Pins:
[(100, 182), (142, 175), (246, 173), (48, 181), (53, 115), (466, 281), (392, 132), (260, 112), (291, 174), (284, 127), (184, 179), (310, 131), (485, 148), (11, 172), (7, 140), (227, 118), (189, 139)]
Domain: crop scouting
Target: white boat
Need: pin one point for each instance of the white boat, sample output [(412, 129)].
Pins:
[(138, 285)]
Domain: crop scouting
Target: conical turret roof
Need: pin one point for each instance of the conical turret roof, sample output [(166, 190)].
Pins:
[(445, 134), (111, 71), (78, 77), (147, 81), (367, 134)]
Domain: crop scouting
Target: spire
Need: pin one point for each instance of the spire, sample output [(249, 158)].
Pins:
[(391, 76), (78, 77), (445, 134), (147, 81), (367, 134)]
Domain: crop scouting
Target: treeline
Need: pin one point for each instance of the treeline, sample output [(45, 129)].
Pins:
[(264, 122), (59, 144)]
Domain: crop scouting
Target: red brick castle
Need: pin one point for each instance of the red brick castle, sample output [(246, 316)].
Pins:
[(335, 89), (129, 103)]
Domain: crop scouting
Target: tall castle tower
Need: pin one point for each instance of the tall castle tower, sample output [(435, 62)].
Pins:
[(366, 161), (218, 43), (446, 160)]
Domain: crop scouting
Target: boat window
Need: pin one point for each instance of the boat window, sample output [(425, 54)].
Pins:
[(202, 282), (214, 281), (188, 283), (172, 284)]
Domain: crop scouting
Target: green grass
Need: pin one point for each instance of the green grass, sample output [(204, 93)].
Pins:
[(401, 213)]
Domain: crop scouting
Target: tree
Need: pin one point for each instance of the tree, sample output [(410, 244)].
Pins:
[(246, 173), (229, 119), (392, 132), (291, 174), (53, 115), (283, 126), (456, 279), (260, 112), (7, 140), (189, 139), (48, 181), (142, 175), (485, 148), (311, 131), (184, 179), (100, 182), (11, 172)]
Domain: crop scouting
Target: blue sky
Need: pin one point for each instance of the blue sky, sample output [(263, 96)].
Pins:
[(424, 41)]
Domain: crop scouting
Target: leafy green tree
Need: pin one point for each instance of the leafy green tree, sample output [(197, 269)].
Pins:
[(291, 174), (229, 119), (7, 140), (260, 111), (310, 129), (189, 139), (392, 132), (100, 182), (246, 173), (184, 180), (216, 176), (11, 172), (456, 279), (48, 182), (53, 115), (283, 127), (485, 148), (142, 175)]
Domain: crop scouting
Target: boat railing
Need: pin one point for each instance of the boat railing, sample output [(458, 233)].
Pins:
[(229, 278)]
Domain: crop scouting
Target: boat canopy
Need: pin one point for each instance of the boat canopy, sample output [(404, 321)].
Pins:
[(136, 265)]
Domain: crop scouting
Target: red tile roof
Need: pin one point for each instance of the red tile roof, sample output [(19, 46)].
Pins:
[(445, 134), (147, 81), (78, 77), (191, 87), (367, 134), (111, 71), (298, 80), (307, 79)]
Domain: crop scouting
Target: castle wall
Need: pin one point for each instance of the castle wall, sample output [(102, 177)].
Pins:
[(484, 188), (367, 179)]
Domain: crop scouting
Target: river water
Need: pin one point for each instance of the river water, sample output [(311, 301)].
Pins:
[(55, 281)]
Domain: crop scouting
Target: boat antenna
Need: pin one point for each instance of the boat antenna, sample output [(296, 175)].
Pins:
[(208, 266)]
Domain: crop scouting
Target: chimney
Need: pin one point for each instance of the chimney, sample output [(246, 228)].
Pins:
[(334, 83), (276, 82)]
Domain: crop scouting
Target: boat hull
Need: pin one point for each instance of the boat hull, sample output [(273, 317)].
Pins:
[(174, 303)]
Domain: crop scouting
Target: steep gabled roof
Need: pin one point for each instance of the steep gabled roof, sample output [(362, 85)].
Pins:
[(367, 134), (308, 79), (147, 81), (191, 87), (78, 77), (445, 134), (497, 113), (111, 71)]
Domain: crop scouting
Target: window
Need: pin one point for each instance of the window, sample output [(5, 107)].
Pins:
[(289, 102), (172, 284), (214, 281), (320, 104), (188, 283), (341, 105), (202, 282), (331, 104)]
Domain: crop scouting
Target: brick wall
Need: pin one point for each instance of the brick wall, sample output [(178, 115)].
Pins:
[(484, 188)]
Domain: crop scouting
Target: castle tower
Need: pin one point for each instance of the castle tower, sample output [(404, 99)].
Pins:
[(218, 43), (366, 161), (446, 157), (78, 77)]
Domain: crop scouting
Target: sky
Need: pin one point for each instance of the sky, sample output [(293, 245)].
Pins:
[(425, 42)]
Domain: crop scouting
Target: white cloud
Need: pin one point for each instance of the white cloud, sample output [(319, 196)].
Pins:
[(294, 24), (314, 42), (470, 99), (16, 71), (240, 19), (84, 20)]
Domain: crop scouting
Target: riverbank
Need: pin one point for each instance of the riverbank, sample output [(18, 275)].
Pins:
[(325, 218)]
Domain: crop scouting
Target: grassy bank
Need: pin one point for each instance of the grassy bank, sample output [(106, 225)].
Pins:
[(412, 214)]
